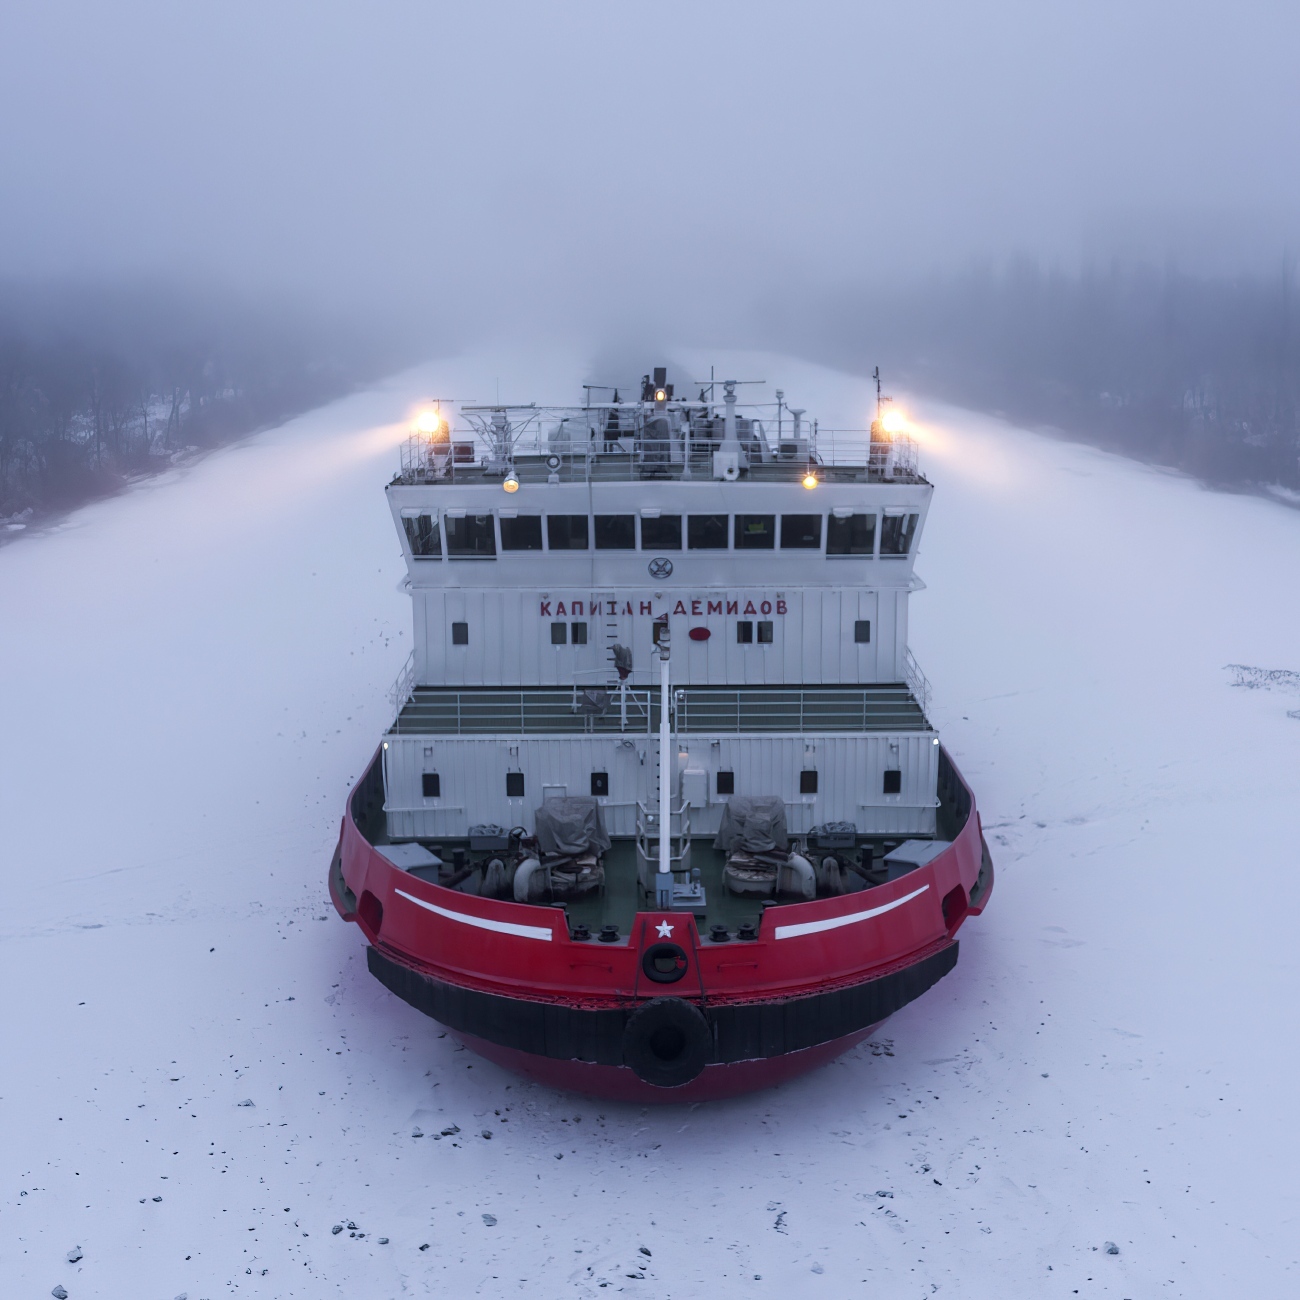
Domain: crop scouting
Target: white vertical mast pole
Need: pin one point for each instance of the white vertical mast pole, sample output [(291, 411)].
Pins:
[(664, 883)]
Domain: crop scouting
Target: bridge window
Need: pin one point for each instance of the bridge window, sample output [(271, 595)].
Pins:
[(579, 634), (808, 781), (430, 785), (893, 783), (745, 632), (851, 535), (559, 633), (566, 532), (706, 532), (896, 534), (422, 533), (523, 533), (514, 785), (661, 532), (801, 532), (600, 784), (862, 631), (471, 537), (460, 634), (755, 532), (765, 631), (616, 532), (726, 783)]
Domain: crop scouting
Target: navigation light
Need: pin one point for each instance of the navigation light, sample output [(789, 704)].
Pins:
[(511, 483), (810, 480), (430, 422), (893, 422)]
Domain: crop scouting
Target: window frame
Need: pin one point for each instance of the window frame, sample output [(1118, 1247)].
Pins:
[(595, 532), (515, 519), (555, 518), (908, 523), (409, 516), (658, 518), (747, 545), (815, 546), (477, 518), (704, 518), (873, 516)]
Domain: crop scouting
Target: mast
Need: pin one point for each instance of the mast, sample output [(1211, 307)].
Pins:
[(664, 879)]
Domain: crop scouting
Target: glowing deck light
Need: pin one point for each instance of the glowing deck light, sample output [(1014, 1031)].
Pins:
[(810, 480), (661, 394), (429, 422), (894, 422), (510, 483)]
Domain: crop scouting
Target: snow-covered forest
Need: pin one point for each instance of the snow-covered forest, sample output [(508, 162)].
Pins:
[(101, 385), (1199, 372)]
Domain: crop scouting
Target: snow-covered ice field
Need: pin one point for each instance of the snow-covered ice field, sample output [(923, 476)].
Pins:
[(200, 1079)]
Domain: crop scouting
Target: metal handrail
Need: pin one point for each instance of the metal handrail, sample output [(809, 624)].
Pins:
[(404, 687), (574, 459), (917, 682)]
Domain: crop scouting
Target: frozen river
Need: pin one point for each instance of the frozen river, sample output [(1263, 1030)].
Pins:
[(200, 1080)]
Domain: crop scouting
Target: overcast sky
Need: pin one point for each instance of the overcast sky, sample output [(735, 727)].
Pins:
[(447, 152)]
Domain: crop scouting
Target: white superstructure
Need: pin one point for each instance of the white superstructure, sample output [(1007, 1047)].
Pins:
[(779, 555)]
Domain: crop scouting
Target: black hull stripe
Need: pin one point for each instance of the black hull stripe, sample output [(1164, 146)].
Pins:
[(744, 1032)]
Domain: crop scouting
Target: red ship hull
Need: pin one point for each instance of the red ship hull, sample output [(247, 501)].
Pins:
[(510, 981)]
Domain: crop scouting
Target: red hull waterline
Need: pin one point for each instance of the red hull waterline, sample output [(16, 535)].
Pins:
[(618, 1083), (512, 983)]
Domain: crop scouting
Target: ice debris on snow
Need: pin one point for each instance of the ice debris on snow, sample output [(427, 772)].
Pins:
[(490, 1220), (59, 1293), (1112, 1248), (336, 1229), (73, 1255), (248, 1101)]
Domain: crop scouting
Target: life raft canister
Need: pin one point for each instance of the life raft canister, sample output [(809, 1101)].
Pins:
[(667, 1042)]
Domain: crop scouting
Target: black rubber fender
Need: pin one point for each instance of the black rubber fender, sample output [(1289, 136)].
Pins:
[(667, 1042)]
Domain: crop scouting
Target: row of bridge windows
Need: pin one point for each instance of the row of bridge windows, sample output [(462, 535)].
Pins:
[(481, 536)]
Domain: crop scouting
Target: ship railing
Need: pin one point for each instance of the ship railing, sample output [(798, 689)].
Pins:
[(404, 687), (604, 691), (591, 454), (648, 831), (917, 682)]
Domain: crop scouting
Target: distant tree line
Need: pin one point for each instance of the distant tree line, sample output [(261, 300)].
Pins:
[(98, 386), (1195, 372)]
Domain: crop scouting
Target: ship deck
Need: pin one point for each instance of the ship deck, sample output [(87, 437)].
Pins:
[(557, 710)]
